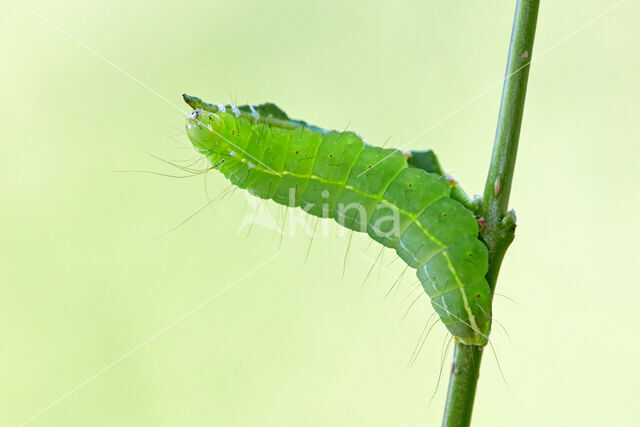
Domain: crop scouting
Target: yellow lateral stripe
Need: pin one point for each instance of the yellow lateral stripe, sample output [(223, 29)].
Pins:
[(467, 307), (429, 235), (465, 301), (324, 181), (402, 211)]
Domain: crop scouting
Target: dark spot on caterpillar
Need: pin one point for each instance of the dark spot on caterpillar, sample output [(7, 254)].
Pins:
[(409, 185), (444, 214), (478, 296), (331, 156), (470, 254)]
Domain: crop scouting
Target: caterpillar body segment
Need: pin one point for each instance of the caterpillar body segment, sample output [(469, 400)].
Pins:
[(364, 188)]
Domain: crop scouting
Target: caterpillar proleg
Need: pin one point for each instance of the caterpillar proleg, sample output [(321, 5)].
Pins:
[(403, 207)]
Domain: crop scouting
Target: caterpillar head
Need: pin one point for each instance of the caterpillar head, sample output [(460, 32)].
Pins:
[(205, 130)]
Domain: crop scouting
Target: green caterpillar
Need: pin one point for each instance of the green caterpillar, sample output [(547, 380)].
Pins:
[(332, 174)]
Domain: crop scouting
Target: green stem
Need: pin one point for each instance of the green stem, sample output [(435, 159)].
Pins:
[(498, 232), (465, 370)]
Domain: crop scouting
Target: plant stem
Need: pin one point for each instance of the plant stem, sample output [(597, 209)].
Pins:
[(498, 232), (465, 369)]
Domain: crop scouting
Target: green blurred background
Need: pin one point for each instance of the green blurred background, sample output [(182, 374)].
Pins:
[(94, 288)]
